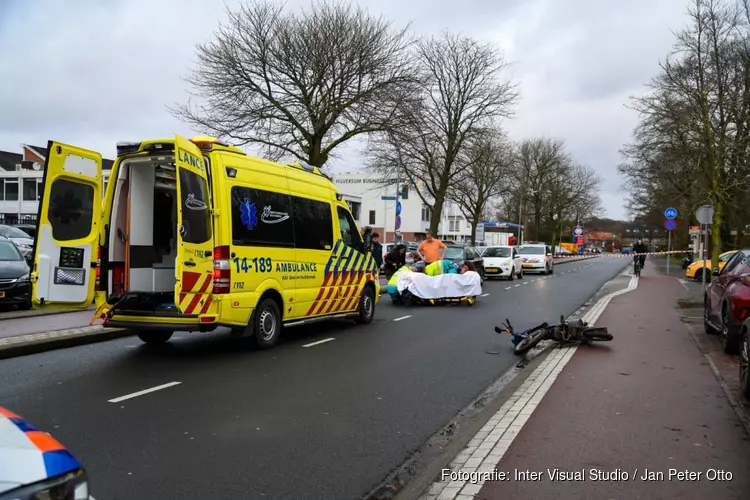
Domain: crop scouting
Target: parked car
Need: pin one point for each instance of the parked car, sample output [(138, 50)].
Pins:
[(29, 229), (696, 269), (502, 261), (537, 257), (460, 254), (15, 287), (35, 465), (21, 239), (745, 359), (727, 300)]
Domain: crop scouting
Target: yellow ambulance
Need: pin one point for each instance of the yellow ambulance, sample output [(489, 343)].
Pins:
[(194, 234)]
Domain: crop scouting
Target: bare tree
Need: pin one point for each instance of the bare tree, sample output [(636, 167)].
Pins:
[(461, 94), (691, 143), (300, 85), (486, 177)]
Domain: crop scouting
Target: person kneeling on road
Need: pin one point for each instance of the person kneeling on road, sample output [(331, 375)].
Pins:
[(392, 287)]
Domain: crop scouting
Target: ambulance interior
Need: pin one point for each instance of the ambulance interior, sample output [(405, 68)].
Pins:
[(142, 236)]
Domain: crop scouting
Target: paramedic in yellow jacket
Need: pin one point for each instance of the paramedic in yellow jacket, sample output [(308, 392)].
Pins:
[(392, 287), (438, 267)]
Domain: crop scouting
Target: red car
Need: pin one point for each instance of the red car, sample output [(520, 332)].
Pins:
[(727, 300)]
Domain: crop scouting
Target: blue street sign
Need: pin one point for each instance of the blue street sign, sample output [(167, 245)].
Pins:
[(670, 213), (398, 208), (398, 222), (670, 224), (388, 198)]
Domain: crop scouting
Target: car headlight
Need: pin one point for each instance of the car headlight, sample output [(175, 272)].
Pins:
[(70, 486), (24, 278)]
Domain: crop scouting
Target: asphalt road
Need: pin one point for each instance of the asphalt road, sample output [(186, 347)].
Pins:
[(328, 421)]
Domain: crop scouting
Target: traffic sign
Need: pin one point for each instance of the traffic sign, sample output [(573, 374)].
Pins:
[(398, 208), (578, 231), (705, 214), (670, 224), (670, 213), (398, 222), (388, 198)]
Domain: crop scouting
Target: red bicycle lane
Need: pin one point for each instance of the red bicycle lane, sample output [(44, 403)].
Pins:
[(641, 417)]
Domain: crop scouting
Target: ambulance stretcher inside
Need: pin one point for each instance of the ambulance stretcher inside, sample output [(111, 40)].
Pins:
[(443, 288)]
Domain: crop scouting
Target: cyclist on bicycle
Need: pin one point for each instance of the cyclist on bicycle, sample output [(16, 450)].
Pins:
[(639, 249)]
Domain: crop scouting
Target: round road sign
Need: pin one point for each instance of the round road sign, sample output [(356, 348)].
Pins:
[(670, 213), (578, 231), (670, 224), (398, 222), (705, 214), (398, 208)]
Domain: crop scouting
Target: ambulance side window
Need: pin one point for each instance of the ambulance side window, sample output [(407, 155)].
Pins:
[(70, 210), (196, 214), (261, 218), (313, 224), (349, 232)]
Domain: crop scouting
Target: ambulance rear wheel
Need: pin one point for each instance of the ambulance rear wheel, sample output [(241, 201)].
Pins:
[(157, 337), (266, 324), (366, 306)]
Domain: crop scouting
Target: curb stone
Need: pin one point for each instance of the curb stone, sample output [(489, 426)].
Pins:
[(23, 345)]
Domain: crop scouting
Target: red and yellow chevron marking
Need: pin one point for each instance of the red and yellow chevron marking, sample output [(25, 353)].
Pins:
[(343, 281), (196, 297)]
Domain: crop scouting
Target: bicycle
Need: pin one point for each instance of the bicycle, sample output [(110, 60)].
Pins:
[(637, 266), (563, 333)]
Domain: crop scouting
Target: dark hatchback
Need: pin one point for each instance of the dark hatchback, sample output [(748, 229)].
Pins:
[(15, 287), (460, 254)]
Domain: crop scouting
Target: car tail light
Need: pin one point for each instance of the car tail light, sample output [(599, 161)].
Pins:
[(222, 270), (118, 278), (745, 278)]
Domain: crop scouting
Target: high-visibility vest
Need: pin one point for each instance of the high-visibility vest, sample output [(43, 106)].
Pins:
[(438, 267), (394, 279)]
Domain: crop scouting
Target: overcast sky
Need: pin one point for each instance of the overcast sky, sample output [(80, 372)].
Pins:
[(104, 70)]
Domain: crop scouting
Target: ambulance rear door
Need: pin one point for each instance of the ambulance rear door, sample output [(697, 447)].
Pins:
[(67, 240), (194, 266)]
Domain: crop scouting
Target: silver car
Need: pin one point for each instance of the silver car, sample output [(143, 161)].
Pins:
[(22, 240), (536, 258)]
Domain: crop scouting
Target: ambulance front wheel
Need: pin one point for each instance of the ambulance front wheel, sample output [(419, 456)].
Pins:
[(154, 337), (266, 324), (366, 306)]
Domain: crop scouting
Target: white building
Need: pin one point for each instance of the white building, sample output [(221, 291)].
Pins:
[(21, 177), (373, 203)]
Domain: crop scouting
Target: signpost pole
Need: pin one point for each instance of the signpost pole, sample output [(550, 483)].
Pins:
[(669, 244), (705, 258)]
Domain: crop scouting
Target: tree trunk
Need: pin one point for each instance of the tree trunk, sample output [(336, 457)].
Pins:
[(437, 214), (474, 225)]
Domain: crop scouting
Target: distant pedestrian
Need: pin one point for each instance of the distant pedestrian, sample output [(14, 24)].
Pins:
[(431, 249), (377, 250)]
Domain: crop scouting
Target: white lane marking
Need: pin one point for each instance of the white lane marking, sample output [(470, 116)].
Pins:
[(508, 287), (485, 295), (683, 283), (525, 283), (145, 391), (311, 344), (516, 286), (402, 317), (485, 451)]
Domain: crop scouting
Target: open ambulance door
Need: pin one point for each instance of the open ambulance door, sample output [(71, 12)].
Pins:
[(194, 266), (67, 240)]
